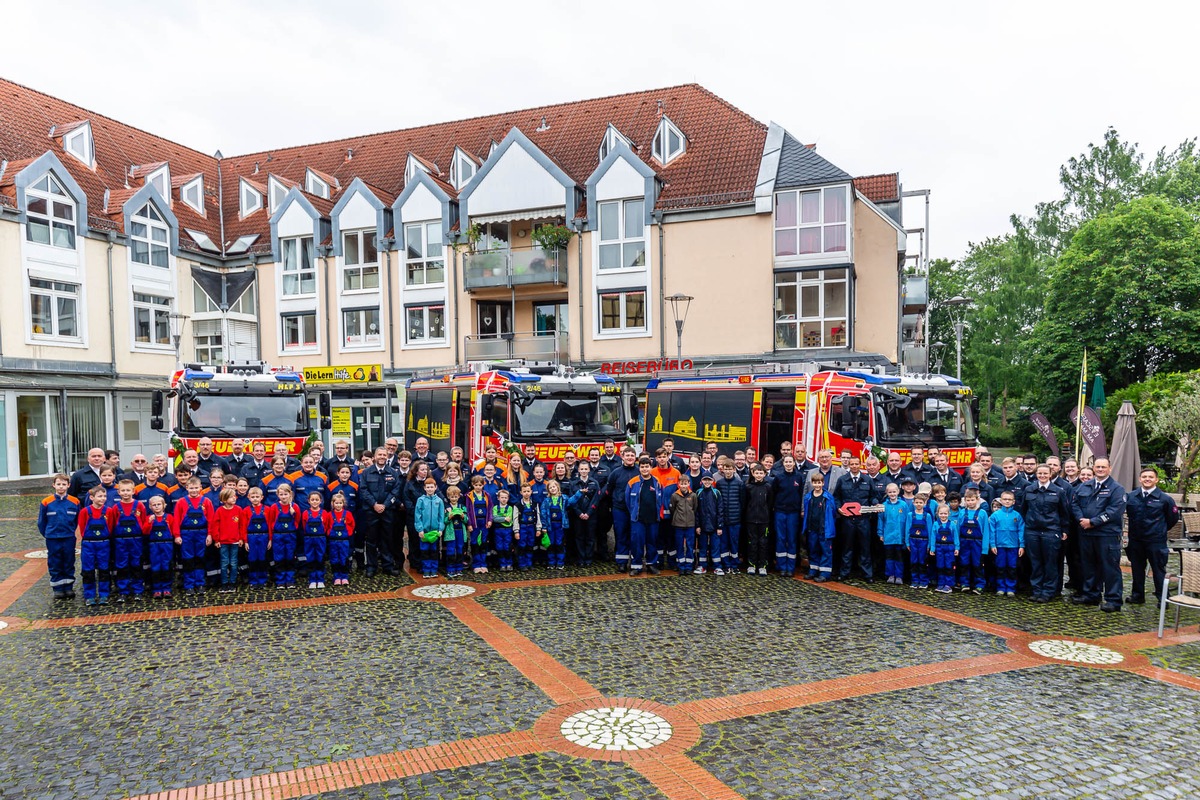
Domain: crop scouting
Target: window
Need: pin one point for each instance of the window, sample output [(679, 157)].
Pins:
[(669, 142), (207, 341), (79, 143), (412, 167), (361, 260), (247, 303), (251, 198), (276, 192), (611, 137), (811, 309), (315, 185), (192, 194), (623, 311), (299, 271), (811, 222), (549, 318), (495, 319), (160, 179), (424, 257), (360, 327), (462, 168), (151, 319), (299, 330), (203, 304), (53, 307), (622, 234), (49, 214), (425, 324), (148, 237)]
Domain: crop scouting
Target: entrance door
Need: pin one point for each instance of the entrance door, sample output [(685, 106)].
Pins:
[(367, 425), (136, 434), (38, 434), (778, 408), (495, 319)]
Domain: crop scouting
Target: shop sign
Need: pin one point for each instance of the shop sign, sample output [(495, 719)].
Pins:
[(354, 373), (643, 367)]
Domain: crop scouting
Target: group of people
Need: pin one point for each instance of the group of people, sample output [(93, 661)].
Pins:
[(994, 528)]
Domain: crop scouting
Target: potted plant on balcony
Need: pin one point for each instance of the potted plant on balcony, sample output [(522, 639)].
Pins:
[(552, 237)]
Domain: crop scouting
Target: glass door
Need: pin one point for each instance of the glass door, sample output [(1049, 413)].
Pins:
[(367, 422), (495, 319), (38, 434)]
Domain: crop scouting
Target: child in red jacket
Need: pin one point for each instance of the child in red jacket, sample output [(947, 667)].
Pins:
[(193, 517), (315, 523), (341, 531), (228, 531), (159, 528)]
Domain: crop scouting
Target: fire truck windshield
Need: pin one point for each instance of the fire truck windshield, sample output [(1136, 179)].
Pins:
[(930, 417), (564, 415), (243, 414)]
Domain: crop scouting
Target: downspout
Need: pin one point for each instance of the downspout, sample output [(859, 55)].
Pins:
[(221, 206), (325, 251), (662, 288), (387, 243), (257, 307), (580, 224), (454, 294), (112, 318)]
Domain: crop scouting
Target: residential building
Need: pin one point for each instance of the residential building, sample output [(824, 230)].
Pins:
[(554, 232)]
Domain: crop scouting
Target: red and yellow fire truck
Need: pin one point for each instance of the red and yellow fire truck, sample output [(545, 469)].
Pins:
[(859, 410), (496, 403), (249, 401)]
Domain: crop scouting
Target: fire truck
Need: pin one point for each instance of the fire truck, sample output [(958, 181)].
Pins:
[(862, 410), (246, 400), (493, 403)]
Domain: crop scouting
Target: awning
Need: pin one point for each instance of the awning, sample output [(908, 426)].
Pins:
[(529, 213), (87, 383)]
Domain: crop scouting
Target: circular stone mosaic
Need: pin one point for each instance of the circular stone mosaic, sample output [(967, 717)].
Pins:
[(616, 728), (1078, 652), (443, 591), (37, 554)]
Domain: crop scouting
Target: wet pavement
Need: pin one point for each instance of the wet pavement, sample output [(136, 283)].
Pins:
[(585, 684)]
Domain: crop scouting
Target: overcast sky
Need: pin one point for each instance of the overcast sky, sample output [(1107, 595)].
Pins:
[(978, 102)]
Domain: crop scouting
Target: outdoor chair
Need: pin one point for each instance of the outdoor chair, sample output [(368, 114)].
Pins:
[(1191, 526), (1188, 595)]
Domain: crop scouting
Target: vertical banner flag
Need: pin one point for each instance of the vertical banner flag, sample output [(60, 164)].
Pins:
[(1043, 427), (1091, 431)]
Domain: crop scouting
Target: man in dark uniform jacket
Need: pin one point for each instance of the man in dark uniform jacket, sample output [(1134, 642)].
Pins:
[(1151, 513), (1099, 504)]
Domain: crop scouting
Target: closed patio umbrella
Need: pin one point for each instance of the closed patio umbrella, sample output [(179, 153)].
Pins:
[(1098, 398), (1126, 457)]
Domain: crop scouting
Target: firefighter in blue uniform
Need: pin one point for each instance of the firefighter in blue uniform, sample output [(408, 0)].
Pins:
[(1099, 504), (57, 518), (1047, 519), (95, 547), (1151, 514)]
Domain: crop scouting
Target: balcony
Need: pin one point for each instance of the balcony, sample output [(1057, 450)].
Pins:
[(504, 269), (530, 346)]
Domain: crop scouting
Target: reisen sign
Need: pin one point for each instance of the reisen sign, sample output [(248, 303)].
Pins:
[(643, 367)]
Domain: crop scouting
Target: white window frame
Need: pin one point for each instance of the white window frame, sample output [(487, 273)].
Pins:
[(249, 198), (625, 330), (618, 239), (212, 349), (300, 346), (410, 169), (462, 168), (54, 291), (822, 225), (195, 185), (823, 324), (422, 259), (359, 268), (160, 179), (661, 147), (276, 193), (79, 143), (145, 218), (424, 340), (296, 271), (314, 184), (611, 137), (157, 309), (56, 202), (360, 319)]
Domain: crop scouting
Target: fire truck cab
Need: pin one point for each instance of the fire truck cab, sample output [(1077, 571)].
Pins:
[(817, 407)]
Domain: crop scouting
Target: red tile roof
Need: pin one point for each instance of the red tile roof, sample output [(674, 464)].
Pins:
[(720, 166), (879, 188)]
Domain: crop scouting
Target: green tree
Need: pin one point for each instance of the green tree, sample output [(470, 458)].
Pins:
[(1128, 289), (1179, 421), (1147, 396)]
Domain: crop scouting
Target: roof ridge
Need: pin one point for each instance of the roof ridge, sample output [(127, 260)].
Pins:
[(443, 123), (96, 114)]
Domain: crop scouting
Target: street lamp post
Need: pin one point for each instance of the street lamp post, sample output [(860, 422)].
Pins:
[(957, 304), (676, 300), (177, 320)]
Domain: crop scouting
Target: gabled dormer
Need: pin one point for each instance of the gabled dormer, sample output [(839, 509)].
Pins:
[(192, 194), (462, 168), (669, 142), (316, 185), (611, 137), (250, 198), (77, 140), (160, 179), (277, 190), (416, 164)]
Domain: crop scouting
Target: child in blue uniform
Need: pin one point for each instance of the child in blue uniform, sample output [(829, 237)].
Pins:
[(819, 528), (341, 531), (429, 519), (710, 525), (527, 526), (284, 517), (57, 519), (972, 531), (95, 546), (1006, 541), (943, 546), (159, 529), (193, 516), (125, 518), (504, 530), (554, 523), (479, 524), (892, 529), (258, 538), (916, 539), (454, 534), (315, 524)]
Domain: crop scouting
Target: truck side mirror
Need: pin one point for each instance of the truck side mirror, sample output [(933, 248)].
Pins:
[(486, 404), (156, 410), (324, 403), (631, 408), (486, 430)]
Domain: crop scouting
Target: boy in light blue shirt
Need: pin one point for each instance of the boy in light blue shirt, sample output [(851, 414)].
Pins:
[(1005, 539)]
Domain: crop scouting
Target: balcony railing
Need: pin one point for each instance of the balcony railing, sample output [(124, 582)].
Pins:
[(507, 268), (531, 346)]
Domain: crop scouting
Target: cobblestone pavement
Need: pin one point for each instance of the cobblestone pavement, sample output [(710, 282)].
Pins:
[(583, 684)]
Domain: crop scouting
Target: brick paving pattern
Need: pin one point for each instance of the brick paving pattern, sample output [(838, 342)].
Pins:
[(733, 687)]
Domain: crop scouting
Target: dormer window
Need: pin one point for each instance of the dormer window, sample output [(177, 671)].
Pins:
[(462, 168), (49, 214), (149, 237), (192, 194), (315, 185), (79, 144), (611, 137), (160, 179), (251, 198), (669, 142), (414, 164), (276, 192)]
